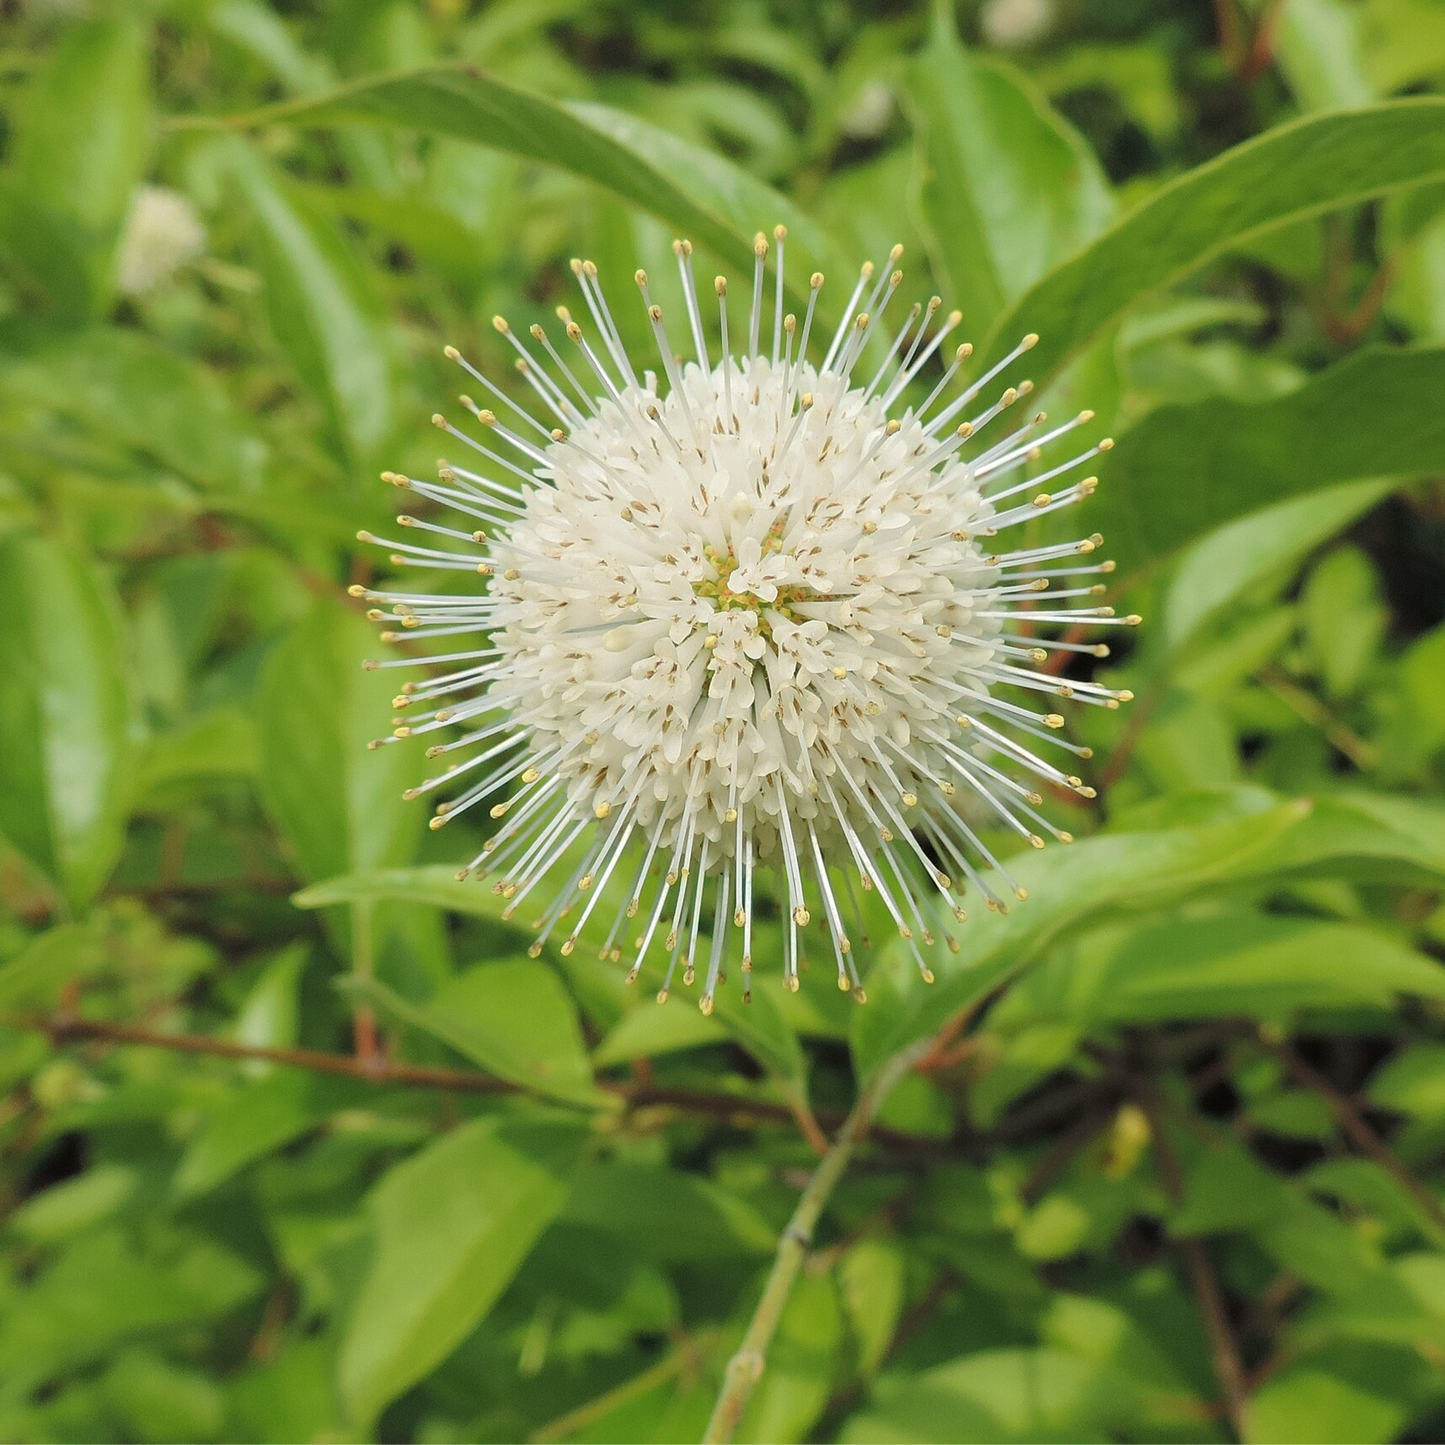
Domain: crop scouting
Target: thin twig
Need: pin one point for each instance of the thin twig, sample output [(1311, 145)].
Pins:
[(1057, 1158), (1355, 1128), (64, 1030), (746, 1366), (1305, 705), (1228, 1368), (723, 1107)]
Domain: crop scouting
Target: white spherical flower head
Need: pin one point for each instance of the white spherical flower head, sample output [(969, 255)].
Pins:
[(162, 234), (754, 620)]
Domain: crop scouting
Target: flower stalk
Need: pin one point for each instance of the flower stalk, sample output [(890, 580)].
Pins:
[(745, 1368)]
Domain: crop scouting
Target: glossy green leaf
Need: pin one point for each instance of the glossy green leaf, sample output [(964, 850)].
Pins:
[(121, 386), (160, 1400), (759, 1026), (102, 1291), (1008, 189), (646, 1032), (1356, 834), (871, 1280), (666, 1214), (1065, 886), (1221, 566), (514, 1019), (44, 257), (322, 307), (337, 803), (431, 883), (1318, 44), (82, 137), (1412, 1082), (1186, 470), (1013, 1395), (256, 1120), (64, 715), (1300, 169), (453, 1224), (1344, 619), (1232, 964), (1309, 1403), (695, 191), (1353, 834), (75, 1205)]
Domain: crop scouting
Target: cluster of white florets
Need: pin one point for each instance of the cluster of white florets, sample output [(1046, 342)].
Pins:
[(695, 625), (749, 621)]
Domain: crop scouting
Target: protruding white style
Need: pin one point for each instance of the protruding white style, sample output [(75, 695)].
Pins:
[(747, 616)]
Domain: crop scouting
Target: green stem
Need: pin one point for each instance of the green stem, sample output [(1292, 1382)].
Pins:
[(745, 1368), (681, 1360)]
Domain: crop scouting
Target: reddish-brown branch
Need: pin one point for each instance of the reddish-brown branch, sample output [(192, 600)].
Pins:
[(1228, 1367), (380, 1070), (1355, 1128), (64, 1030)]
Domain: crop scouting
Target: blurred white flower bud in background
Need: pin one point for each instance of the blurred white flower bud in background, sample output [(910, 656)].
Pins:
[(1015, 24), (162, 233), (870, 112)]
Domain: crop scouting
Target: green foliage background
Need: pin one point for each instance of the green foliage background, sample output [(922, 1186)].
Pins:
[(1172, 1168)]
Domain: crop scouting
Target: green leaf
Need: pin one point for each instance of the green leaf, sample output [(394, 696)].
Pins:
[(159, 1401), (433, 883), (803, 1360), (1412, 1082), (695, 191), (1250, 964), (1353, 834), (75, 1205), (219, 744), (38, 970), (255, 1121), (453, 1225), (998, 1395), (121, 386), (514, 1019), (1318, 45), (1065, 886), (1317, 164), (321, 305), (668, 1215), (645, 1032), (871, 1279), (291, 1396), (1309, 1404), (84, 130), (1226, 1189), (64, 715), (1229, 561), (337, 803), (759, 1026), (1008, 189), (1344, 619), (1185, 470), (1370, 837), (45, 256), (102, 1290)]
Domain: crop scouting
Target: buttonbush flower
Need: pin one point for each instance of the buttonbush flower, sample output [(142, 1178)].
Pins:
[(750, 613), (162, 234)]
